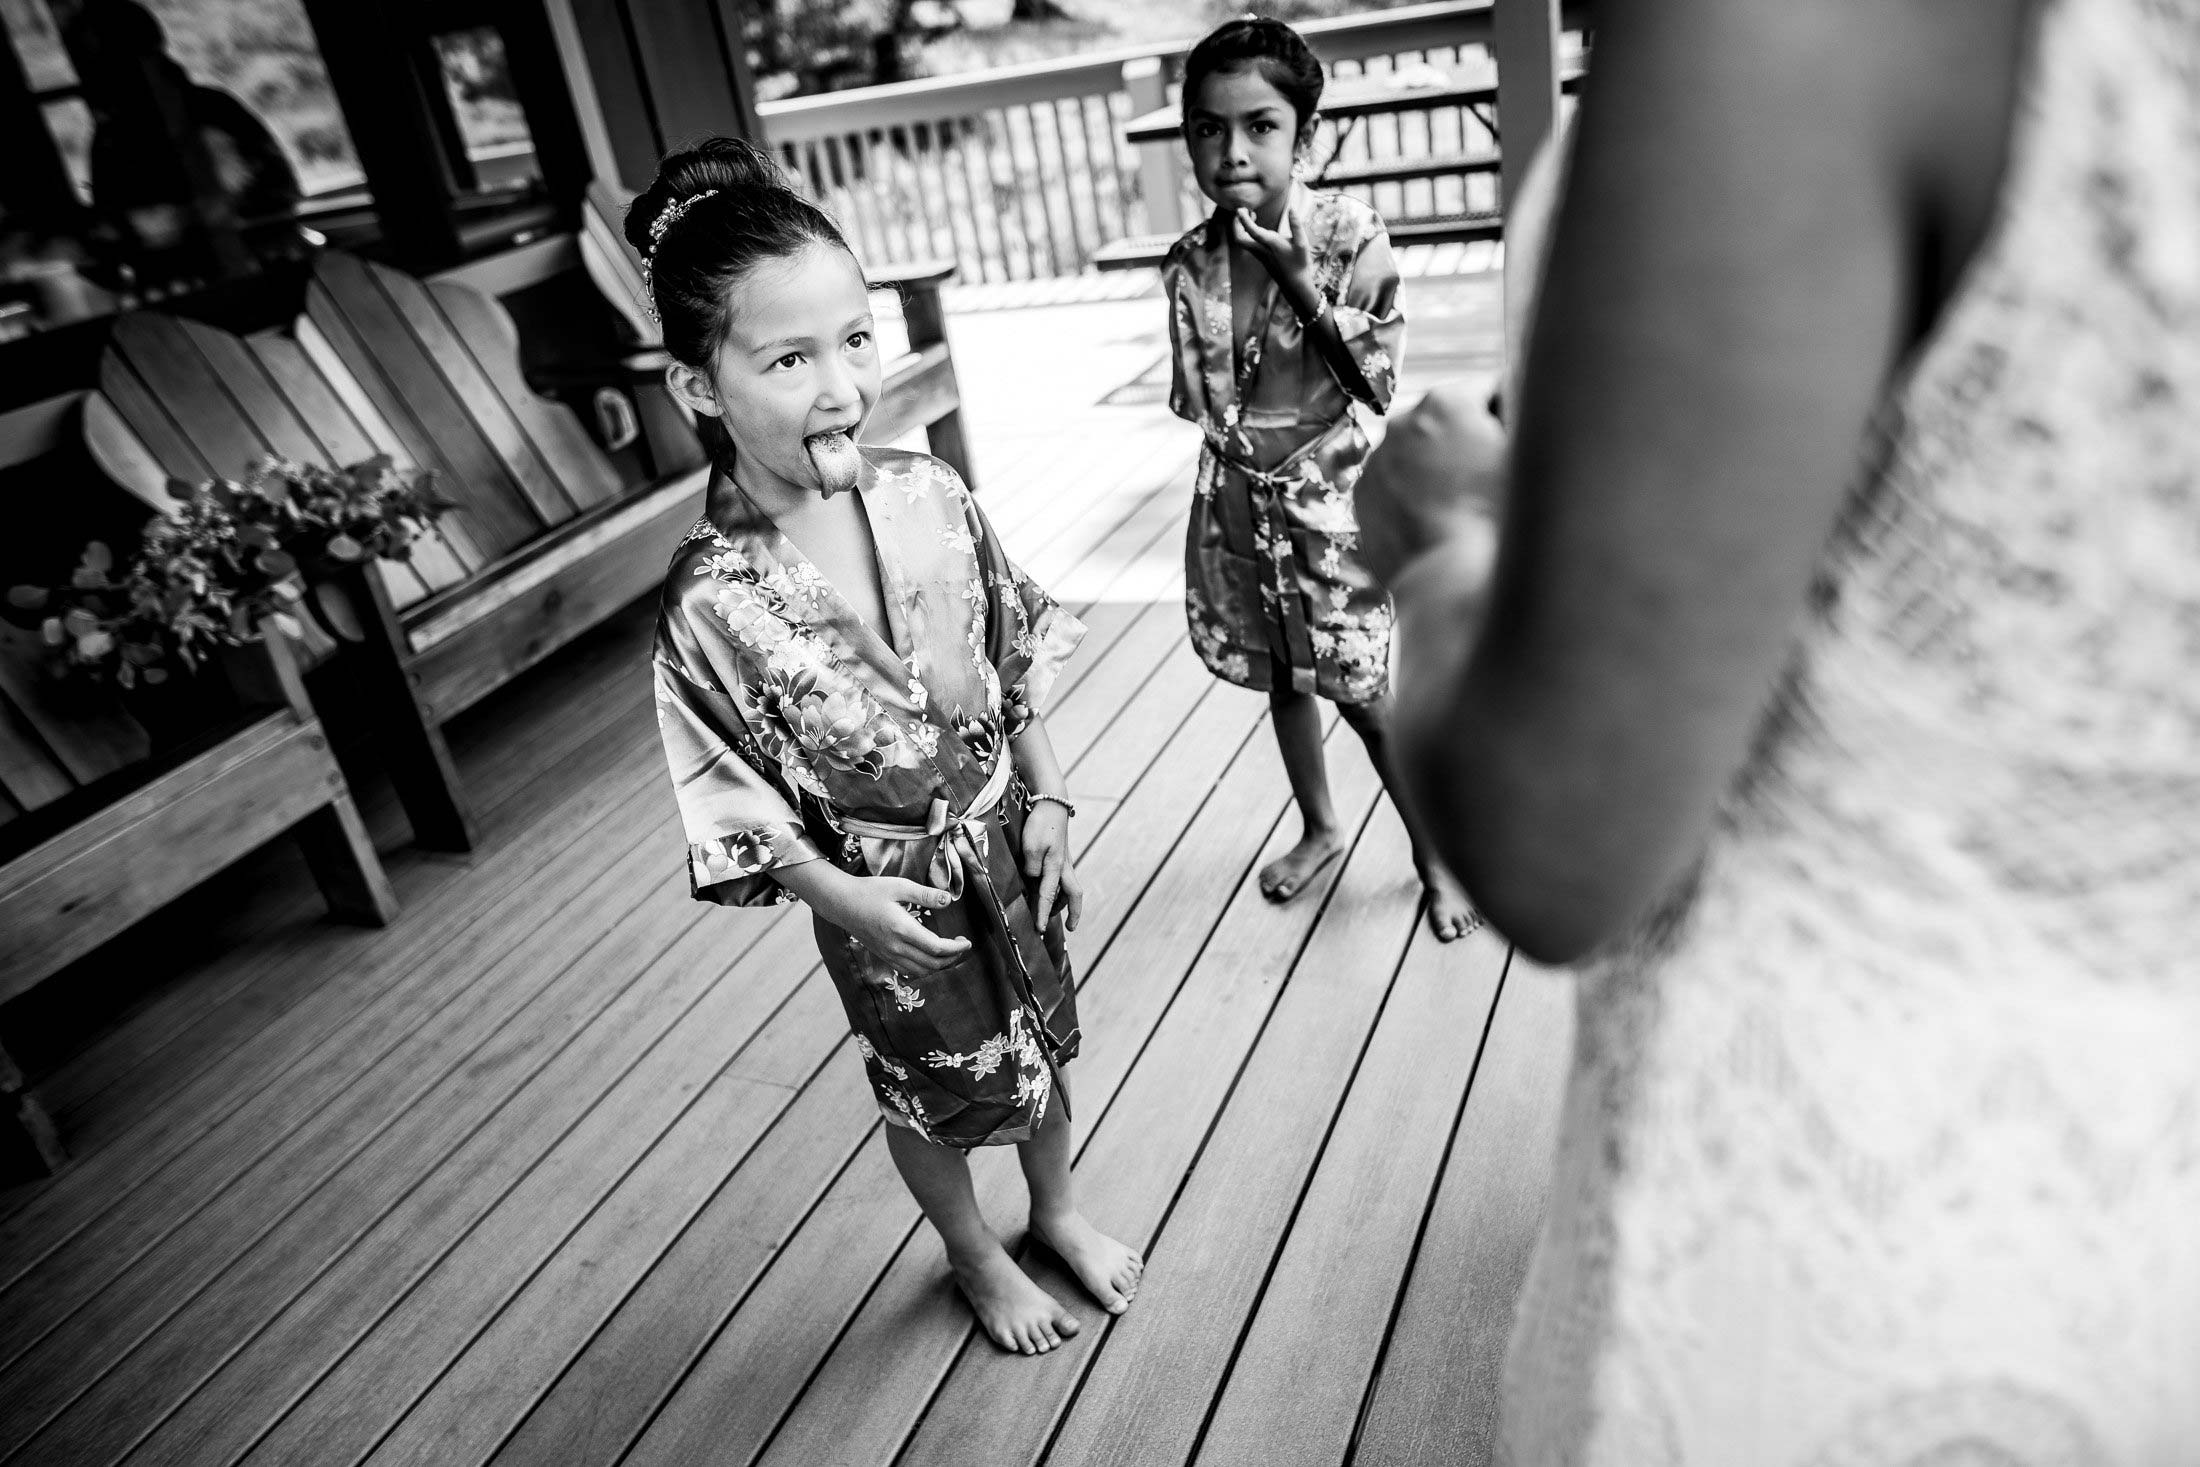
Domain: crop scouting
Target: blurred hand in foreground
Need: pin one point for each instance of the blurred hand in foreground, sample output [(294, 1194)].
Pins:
[(1436, 479)]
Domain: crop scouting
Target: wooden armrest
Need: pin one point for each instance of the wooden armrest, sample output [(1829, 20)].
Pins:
[(636, 369), (921, 307), (915, 274)]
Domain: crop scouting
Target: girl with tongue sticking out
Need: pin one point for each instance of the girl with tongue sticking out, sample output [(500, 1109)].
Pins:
[(849, 674)]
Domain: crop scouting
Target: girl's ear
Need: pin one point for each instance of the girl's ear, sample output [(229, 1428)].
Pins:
[(1305, 147), (692, 389)]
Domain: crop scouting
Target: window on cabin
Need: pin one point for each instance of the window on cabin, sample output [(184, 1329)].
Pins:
[(159, 146), (487, 143)]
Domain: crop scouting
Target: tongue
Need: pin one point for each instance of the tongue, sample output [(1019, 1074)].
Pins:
[(833, 456)]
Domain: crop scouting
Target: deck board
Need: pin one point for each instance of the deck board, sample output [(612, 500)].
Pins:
[(564, 1167), (1436, 1401), (1338, 1275), (455, 1062), (1147, 1395)]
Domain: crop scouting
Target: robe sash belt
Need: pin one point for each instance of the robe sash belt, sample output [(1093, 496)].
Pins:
[(958, 835), (958, 863)]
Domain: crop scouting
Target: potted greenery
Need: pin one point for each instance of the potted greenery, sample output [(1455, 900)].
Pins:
[(232, 559)]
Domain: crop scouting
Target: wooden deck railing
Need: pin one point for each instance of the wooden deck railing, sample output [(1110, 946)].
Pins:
[(1022, 171)]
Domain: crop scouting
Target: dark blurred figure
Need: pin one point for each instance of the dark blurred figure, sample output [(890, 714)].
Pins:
[(186, 183)]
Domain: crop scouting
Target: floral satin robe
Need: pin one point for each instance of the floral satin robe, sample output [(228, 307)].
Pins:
[(1273, 576), (784, 714)]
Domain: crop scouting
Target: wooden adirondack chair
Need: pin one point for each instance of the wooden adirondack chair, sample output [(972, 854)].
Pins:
[(99, 827), (546, 541), (921, 387)]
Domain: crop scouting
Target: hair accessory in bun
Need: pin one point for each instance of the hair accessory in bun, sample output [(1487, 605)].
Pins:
[(666, 218)]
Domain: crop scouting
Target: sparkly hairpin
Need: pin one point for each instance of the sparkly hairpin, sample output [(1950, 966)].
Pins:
[(666, 218)]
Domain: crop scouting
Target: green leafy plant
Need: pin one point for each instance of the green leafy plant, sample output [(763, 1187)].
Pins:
[(231, 556)]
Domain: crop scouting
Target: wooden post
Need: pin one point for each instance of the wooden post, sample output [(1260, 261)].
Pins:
[(926, 317), (334, 838), (370, 63), (1524, 43), (1160, 165), (580, 83), (648, 77), (409, 732)]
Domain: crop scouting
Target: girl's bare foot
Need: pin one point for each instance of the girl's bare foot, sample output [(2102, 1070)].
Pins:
[(1020, 1316), (1109, 1270), (1295, 870), (1450, 915)]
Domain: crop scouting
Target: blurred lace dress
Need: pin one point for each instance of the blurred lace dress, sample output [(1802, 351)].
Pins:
[(1885, 1147)]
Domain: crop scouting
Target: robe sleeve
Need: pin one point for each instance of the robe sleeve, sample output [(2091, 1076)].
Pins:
[(741, 822), (1184, 350), (1369, 318), (1029, 636)]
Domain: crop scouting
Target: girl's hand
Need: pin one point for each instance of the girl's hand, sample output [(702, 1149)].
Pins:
[(874, 910), (1286, 257), (1435, 480), (1046, 861)]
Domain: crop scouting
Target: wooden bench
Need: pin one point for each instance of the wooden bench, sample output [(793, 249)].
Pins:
[(101, 821), (546, 541), (1365, 173), (1348, 99), (1147, 251)]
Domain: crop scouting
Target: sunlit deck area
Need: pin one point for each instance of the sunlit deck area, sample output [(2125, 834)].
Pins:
[(565, 1167)]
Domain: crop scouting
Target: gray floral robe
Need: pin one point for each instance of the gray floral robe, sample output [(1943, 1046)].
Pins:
[(786, 718), (1273, 577)]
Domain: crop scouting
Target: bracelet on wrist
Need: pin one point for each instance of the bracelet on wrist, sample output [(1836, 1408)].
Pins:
[(1061, 800)]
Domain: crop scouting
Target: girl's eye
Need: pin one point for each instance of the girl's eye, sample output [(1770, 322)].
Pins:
[(859, 339), (1264, 127), (790, 361)]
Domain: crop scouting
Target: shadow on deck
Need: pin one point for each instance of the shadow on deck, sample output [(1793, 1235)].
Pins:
[(567, 1168)]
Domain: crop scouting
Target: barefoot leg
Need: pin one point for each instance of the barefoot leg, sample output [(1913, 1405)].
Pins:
[(1298, 721), (1450, 915), (1108, 1270), (1016, 1313)]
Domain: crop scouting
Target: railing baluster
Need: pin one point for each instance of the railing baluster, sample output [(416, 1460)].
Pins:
[(1072, 170), (834, 198), (976, 143), (1426, 188), (1046, 195), (947, 135), (1034, 232), (1102, 165), (878, 217), (866, 212), (928, 170), (1003, 153)]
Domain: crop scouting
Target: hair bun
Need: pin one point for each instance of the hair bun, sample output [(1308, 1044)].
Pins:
[(714, 165)]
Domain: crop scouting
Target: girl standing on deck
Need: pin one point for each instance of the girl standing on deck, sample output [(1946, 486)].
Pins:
[(1283, 311), (849, 671)]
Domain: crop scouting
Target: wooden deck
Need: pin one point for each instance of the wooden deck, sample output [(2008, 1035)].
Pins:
[(567, 1168)]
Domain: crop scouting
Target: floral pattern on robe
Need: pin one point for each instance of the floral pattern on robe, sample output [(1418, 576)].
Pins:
[(784, 715), (1273, 576)]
